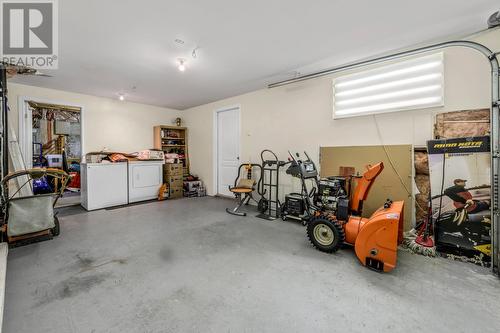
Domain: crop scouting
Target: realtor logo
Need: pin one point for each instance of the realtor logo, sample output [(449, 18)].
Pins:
[(29, 33)]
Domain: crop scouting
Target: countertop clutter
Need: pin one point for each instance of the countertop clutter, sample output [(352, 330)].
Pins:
[(115, 178)]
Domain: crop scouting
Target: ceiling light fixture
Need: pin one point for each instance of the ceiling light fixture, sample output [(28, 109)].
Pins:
[(121, 97), (194, 54), (182, 64), (494, 20)]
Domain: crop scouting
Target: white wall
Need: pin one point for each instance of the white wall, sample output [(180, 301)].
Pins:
[(299, 116), (108, 123)]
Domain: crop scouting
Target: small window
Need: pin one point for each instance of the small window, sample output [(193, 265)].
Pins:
[(408, 85)]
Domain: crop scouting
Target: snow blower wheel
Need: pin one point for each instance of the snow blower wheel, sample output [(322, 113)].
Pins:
[(325, 233)]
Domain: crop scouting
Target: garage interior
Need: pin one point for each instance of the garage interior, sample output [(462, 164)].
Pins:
[(249, 167)]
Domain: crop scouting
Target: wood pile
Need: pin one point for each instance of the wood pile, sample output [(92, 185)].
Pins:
[(461, 124), (423, 183)]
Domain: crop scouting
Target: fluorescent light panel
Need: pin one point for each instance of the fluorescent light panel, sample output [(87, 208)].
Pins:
[(391, 106), (400, 93), (395, 73), (392, 84), (407, 85)]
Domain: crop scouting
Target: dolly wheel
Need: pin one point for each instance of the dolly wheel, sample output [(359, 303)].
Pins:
[(263, 205), (325, 233), (57, 228)]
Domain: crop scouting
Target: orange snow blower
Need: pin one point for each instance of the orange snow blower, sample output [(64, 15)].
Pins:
[(332, 213)]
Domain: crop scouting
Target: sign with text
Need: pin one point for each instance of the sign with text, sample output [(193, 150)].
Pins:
[(29, 32)]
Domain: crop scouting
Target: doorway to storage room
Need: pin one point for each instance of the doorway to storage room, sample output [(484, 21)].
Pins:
[(56, 142)]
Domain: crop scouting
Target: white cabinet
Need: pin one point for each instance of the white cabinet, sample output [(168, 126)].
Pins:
[(104, 185), (144, 180)]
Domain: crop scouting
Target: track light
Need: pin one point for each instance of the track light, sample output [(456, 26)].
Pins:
[(494, 20), (182, 65), (194, 54)]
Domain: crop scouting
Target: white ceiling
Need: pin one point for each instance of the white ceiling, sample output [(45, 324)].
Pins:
[(108, 47)]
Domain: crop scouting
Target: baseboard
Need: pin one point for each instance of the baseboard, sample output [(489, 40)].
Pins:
[(223, 196)]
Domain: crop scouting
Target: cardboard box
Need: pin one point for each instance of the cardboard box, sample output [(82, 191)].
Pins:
[(54, 160), (173, 169), (176, 192), (151, 154), (193, 185), (176, 181)]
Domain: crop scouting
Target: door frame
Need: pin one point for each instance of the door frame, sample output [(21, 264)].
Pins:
[(25, 136), (215, 145)]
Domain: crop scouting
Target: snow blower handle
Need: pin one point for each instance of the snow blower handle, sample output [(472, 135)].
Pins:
[(308, 158), (293, 159)]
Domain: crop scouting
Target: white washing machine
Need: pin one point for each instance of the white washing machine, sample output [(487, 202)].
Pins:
[(103, 185)]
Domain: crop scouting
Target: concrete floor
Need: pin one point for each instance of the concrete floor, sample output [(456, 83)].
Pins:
[(187, 266)]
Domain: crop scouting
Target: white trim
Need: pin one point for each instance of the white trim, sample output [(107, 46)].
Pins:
[(4, 250), (24, 113), (215, 145)]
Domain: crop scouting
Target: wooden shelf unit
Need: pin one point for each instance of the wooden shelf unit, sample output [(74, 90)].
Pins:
[(173, 139)]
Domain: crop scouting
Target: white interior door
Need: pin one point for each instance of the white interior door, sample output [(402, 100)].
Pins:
[(228, 149)]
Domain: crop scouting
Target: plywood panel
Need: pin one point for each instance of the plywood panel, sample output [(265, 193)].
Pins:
[(388, 184)]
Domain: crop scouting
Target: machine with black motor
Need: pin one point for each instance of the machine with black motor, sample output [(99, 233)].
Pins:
[(297, 205), (330, 193), (333, 192), (331, 211)]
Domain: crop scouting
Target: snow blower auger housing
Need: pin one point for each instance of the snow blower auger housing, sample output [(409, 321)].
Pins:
[(332, 214)]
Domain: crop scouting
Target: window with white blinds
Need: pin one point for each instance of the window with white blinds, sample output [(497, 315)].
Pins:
[(407, 85)]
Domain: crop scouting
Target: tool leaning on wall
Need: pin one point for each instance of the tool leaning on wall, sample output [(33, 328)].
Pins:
[(29, 219)]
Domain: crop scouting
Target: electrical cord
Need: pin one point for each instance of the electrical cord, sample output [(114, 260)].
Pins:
[(391, 162)]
